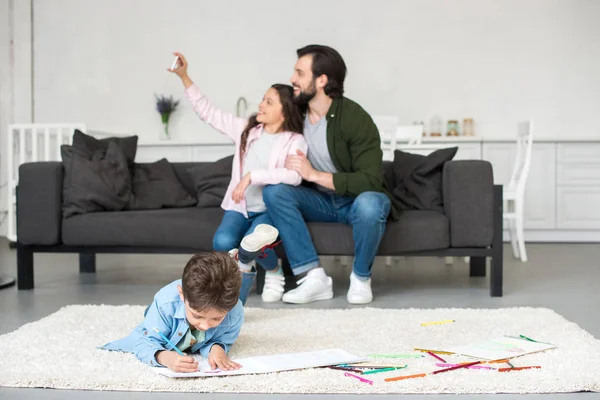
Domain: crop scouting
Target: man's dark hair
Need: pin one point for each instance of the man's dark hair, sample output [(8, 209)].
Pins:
[(211, 280), (327, 61)]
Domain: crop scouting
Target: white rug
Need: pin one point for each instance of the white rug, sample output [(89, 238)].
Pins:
[(59, 351)]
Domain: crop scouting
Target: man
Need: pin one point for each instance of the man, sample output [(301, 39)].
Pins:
[(344, 164)]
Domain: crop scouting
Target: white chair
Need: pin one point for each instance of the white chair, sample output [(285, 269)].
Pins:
[(31, 143), (514, 192), (393, 135)]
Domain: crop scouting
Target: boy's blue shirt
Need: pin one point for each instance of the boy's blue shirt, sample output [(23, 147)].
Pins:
[(167, 314)]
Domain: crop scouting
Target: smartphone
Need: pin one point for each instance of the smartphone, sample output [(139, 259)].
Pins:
[(175, 63)]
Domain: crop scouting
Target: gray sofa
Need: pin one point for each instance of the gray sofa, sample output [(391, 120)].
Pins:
[(471, 224)]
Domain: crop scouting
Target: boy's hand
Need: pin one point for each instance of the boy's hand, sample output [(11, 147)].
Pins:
[(177, 363), (218, 359)]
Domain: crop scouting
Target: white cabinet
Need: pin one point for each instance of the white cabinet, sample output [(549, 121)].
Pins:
[(578, 186), (578, 207), (540, 193), (468, 151), (182, 152)]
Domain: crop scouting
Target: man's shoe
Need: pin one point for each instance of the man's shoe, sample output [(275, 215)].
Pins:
[(359, 291), (316, 285)]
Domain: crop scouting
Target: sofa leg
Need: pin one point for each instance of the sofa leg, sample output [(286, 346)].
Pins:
[(477, 266), (24, 268), (87, 263), (496, 273), (290, 279)]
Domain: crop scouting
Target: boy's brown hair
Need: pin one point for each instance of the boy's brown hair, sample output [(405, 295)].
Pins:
[(211, 280)]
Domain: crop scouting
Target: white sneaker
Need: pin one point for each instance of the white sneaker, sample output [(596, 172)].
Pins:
[(233, 253), (316, 285), (359, 291), (274, 286), (263, 235)]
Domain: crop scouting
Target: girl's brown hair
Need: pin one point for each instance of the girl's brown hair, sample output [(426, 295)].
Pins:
[(293, 121)]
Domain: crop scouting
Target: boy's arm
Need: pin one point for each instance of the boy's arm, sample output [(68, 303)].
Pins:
[(150, 342), (226, 338)]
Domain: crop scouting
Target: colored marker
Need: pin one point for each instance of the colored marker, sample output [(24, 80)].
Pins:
[(446, 321), (168, 341), (395, 355), (376, 371), (359, 378)]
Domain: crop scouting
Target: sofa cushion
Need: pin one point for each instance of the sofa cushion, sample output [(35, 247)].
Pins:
[(155, 185), (189, 227), (194, 228), (94, 181), (127, 144), (418, 179), (211, 181), (414, 231)]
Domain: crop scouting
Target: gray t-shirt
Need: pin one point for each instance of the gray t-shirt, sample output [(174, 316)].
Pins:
[(318, 152), (258, 158)]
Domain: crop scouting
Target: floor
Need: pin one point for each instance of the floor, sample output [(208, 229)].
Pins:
[(564, 277)]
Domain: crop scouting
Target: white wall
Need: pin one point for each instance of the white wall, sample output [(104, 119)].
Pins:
[(496, 61)]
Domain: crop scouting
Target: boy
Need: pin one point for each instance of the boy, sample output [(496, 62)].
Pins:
[(200, 312)]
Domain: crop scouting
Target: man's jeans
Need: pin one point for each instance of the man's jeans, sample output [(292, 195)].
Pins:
[(290, 207), (230, 233)]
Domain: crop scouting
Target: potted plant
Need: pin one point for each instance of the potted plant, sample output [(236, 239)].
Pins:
[(166, 106)]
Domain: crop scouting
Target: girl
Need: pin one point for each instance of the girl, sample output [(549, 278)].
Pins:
[(262, 144)]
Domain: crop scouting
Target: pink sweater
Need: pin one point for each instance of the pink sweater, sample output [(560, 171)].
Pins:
[(232, 126)]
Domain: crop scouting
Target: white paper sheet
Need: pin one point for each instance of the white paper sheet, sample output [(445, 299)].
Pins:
[(500, 348), (272, 363)]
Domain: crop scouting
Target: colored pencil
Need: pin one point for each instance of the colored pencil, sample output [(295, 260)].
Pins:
[(358, 371), (446, 321), (518, 368), (467, 365), (433, 351), (171, 343), (399, 378), (395, 355), (376, 371), (370, 382), (437, 357)]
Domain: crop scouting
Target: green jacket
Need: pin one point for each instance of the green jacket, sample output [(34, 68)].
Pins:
[(355, 149)]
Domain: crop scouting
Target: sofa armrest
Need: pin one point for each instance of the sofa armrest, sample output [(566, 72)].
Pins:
[(39, 203), (469, 202)]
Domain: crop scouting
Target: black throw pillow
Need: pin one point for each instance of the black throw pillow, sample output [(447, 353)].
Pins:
[(418, 179), (94, 181), (211, 181), (127, 144), (155, 186)]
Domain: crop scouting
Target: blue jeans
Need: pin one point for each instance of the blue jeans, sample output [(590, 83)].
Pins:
[(290, 207), (234, 226)]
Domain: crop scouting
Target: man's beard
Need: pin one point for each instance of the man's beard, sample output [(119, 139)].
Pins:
[(307, 95)]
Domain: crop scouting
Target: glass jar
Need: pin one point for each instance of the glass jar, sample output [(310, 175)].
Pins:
[(468, 129), (452, 128), (436, 126)]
